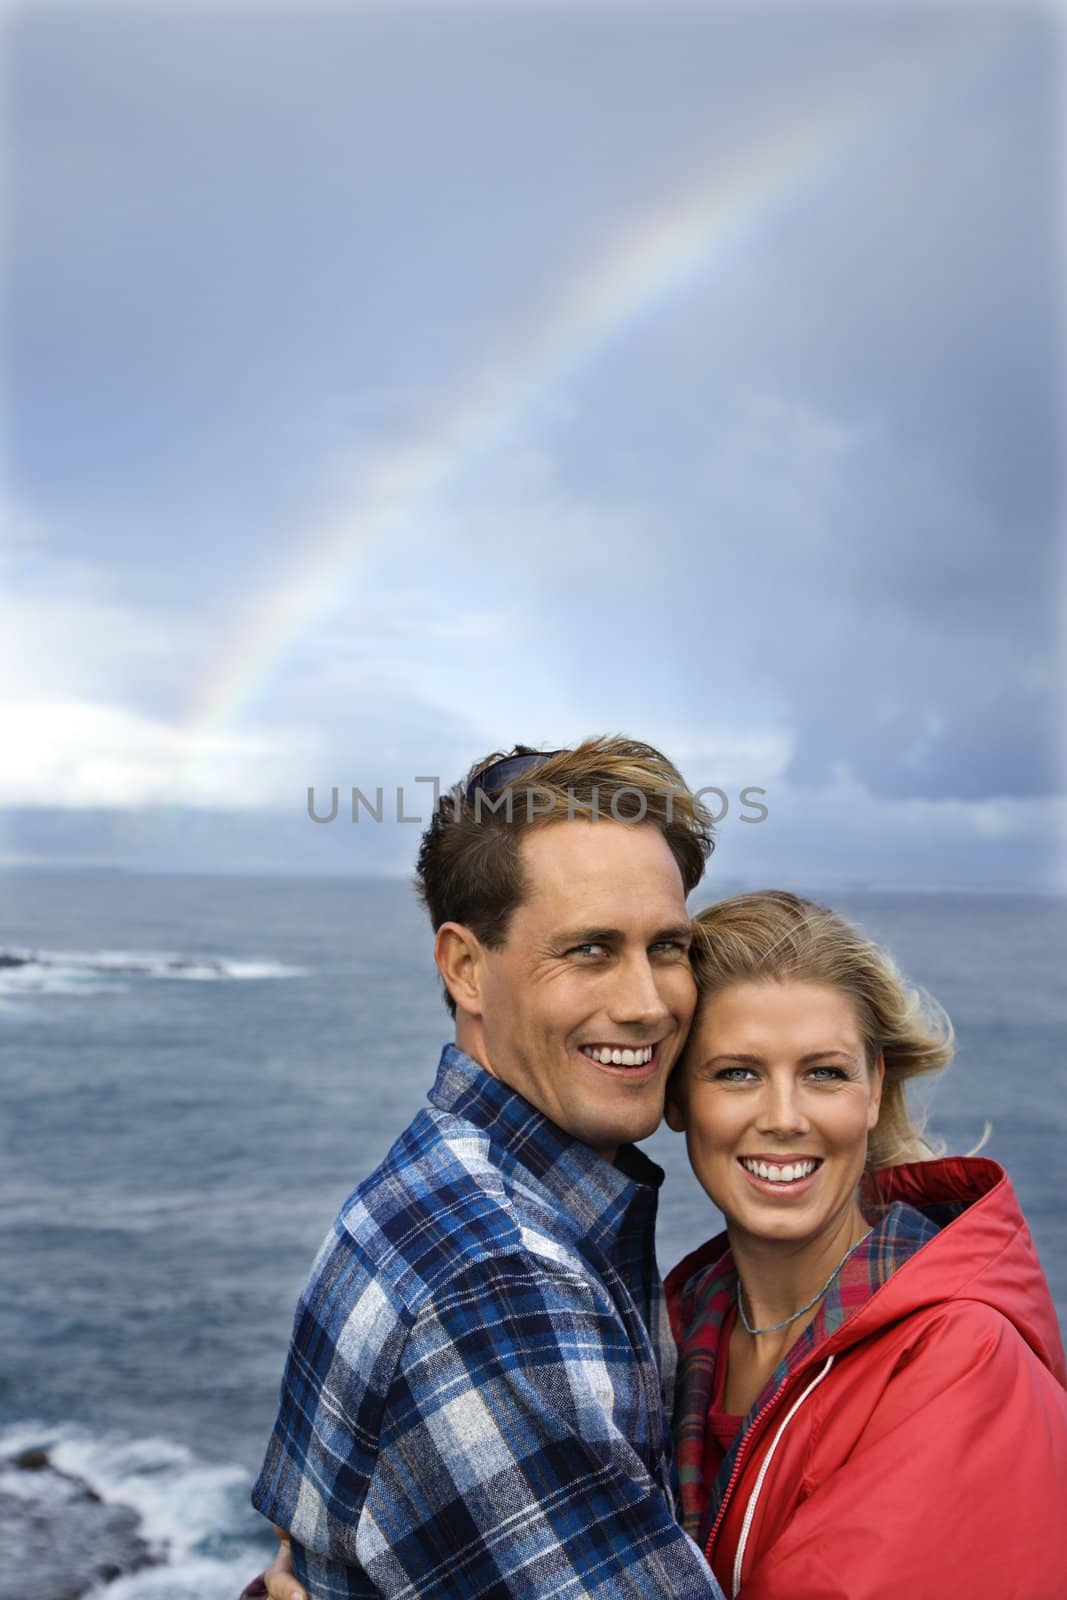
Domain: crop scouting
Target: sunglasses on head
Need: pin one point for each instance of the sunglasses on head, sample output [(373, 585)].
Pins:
[(501, 773)]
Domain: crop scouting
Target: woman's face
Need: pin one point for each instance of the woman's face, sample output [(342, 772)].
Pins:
[(776, 1101)]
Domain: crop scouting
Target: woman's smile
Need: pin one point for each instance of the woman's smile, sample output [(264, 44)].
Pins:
[(781, 1177)]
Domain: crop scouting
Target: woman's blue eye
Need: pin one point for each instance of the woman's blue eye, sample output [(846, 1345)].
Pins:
[(819, 1074)]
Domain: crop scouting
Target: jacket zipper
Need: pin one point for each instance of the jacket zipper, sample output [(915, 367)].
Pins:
[(750, 1509), (773, 1401), (739, 1459)]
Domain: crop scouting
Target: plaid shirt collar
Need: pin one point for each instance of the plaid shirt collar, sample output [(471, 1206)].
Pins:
[(610, 1207), (898, 1232)]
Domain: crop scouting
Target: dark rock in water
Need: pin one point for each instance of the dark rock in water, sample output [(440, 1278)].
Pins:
[(13, 961), (62, 1538)]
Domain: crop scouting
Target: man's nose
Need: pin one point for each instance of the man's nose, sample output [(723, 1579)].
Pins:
[(637, 998)]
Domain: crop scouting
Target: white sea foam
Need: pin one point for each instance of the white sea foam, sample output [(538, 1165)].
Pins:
[(195, 1515), (206, 1577), (86, 972)]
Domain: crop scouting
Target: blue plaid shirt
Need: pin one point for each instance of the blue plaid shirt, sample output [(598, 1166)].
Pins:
[(474, 1403)]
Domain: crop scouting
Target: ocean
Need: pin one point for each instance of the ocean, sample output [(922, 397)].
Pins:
[(196, 1071)]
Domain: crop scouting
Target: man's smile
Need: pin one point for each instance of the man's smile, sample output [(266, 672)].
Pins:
[(615, 1055), (634, 1062)]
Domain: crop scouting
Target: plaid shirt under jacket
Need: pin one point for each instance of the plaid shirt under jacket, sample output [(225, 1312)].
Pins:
[(474, 1403)]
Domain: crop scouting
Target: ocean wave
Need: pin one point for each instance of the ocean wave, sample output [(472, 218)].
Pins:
[(81, 972), (146, 1517)]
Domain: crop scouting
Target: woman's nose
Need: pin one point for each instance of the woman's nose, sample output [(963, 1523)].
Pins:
[(781, 1109)]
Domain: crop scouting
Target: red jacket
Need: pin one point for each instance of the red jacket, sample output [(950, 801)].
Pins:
[(919, 1451)]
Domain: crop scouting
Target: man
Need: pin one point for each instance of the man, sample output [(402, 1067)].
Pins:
[(475, 1398)]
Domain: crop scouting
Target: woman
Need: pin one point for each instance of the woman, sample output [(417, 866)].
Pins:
[(871, 1394)]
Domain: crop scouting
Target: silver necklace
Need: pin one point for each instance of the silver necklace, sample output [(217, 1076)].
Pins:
[(776, 1327)]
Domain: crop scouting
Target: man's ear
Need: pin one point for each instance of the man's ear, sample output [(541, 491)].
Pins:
[(458, 953)]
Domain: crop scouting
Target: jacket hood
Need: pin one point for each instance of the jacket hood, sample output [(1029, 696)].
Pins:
[(983, 1252)]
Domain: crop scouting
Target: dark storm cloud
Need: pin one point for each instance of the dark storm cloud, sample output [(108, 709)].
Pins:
[(806, 501)]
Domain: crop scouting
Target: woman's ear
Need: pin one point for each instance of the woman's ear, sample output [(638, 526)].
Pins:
[(674, 1104), (877, 1080)]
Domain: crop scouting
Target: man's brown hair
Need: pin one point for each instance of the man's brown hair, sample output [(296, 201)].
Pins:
[(469, 868)]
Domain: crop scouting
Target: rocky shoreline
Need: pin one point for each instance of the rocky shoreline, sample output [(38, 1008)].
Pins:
[(67, 1540)]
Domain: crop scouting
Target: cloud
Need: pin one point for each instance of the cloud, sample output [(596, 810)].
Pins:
[(73, 755), (792, 523), (840, 835), (844, 586)]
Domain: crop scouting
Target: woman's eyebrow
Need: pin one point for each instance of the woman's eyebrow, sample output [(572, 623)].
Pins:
[(750, 1060)]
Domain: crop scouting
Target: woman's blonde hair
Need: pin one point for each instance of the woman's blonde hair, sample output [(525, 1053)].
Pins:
[(775, 936)]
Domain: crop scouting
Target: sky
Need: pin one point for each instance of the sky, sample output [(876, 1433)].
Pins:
[(383, 387)]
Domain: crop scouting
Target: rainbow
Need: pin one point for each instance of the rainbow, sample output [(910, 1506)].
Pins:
[(705, 222)]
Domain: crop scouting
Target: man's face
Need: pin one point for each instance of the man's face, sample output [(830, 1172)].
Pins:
[(596, 963)]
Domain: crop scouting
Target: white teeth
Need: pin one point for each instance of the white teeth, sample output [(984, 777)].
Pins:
[(608, 1056), (776, 1174)]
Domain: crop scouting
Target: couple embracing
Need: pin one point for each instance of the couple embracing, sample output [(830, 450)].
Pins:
[(856, 1391)]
